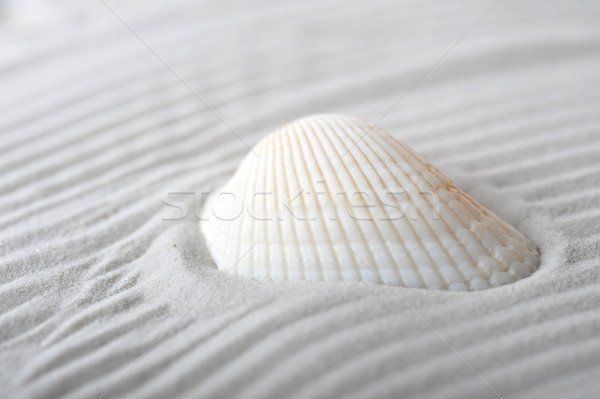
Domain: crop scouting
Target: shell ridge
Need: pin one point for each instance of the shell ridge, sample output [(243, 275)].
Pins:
[(501, 224), (279, 184), (269, 180), (415, 235), (292, 161), (431, 229), (297, 135), (471, 208), (484, 211), (450, 230), (419, 238), (357, 261), (477, 212), (371, 255), (332, 172), (447, 228), (332, 199), (381, 273), (379, 232), (511, 232)]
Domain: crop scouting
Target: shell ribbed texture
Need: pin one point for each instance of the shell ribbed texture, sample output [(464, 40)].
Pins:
[(332, 198)]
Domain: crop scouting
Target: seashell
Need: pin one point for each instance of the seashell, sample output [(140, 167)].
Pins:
[(332, 198)]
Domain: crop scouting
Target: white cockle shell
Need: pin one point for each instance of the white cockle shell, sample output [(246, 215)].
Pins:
[(332, 198)]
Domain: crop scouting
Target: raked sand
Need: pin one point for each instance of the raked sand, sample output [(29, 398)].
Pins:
[(101, 296)]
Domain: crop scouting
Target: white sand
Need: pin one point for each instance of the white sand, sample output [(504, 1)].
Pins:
[(101, 297)]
